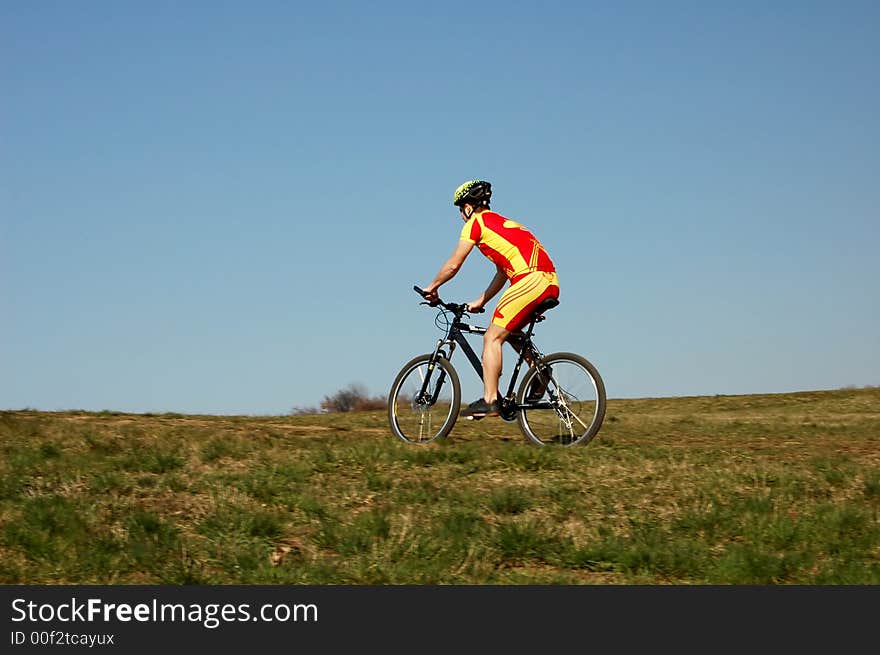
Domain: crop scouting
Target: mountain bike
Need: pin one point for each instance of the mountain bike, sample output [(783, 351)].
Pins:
[(560, 400)]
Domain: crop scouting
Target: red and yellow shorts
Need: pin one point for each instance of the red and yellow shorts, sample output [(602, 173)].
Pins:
[(521, 298)]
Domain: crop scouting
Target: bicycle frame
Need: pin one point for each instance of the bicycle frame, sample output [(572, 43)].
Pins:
[(521, 341)]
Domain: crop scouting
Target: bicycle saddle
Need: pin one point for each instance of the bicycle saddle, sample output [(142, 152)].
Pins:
[(546, 304)]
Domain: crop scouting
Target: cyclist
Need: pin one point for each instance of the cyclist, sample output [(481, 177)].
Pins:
[(520, 259)]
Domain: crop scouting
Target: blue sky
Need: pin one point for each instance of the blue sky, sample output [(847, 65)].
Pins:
[(221, 207)]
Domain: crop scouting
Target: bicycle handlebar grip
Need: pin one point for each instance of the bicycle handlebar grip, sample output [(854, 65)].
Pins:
[(421, 292)]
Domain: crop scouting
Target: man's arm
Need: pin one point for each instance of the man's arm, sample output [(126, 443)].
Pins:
[(494, 287), (449, 269)]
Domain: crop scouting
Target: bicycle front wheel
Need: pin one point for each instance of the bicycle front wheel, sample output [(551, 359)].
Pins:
[(572, 407), (424, 400)]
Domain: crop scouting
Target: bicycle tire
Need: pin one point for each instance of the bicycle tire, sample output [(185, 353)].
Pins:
[(572, 408), (412, 418)]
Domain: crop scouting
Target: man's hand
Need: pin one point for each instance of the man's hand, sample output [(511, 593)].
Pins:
[(430, 294), (476, 307)]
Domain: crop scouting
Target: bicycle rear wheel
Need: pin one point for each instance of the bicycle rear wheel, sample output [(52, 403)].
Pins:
[(424, 401), (572, 408)]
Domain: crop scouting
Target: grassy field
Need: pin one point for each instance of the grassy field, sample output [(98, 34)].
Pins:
[(763, 489)]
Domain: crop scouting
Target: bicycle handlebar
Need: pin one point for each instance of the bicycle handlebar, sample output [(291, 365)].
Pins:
[(451, 306)]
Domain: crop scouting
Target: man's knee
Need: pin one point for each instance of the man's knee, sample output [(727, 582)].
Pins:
[(495, 334)]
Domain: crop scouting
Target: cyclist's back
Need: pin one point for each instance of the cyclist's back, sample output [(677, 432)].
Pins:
[(510, 245)]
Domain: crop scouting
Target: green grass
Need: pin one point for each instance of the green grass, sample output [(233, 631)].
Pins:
[(731, 490)]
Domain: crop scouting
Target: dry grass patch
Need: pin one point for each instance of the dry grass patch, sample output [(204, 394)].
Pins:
[(768, 489)]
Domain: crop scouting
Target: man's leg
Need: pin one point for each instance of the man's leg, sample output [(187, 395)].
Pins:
[(493, 341)]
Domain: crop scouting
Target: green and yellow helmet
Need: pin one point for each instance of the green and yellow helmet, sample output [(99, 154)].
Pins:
[(474, 192)]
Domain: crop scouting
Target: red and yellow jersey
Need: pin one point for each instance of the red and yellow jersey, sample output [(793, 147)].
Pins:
[(508, 244)]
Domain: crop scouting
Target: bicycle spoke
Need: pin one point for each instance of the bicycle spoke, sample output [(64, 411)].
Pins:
[(574, 405), (423, 403)]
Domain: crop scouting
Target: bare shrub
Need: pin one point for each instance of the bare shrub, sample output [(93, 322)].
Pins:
[(353, 398)]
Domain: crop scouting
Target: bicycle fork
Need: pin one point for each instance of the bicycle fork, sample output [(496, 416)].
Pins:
[(431, 399)]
